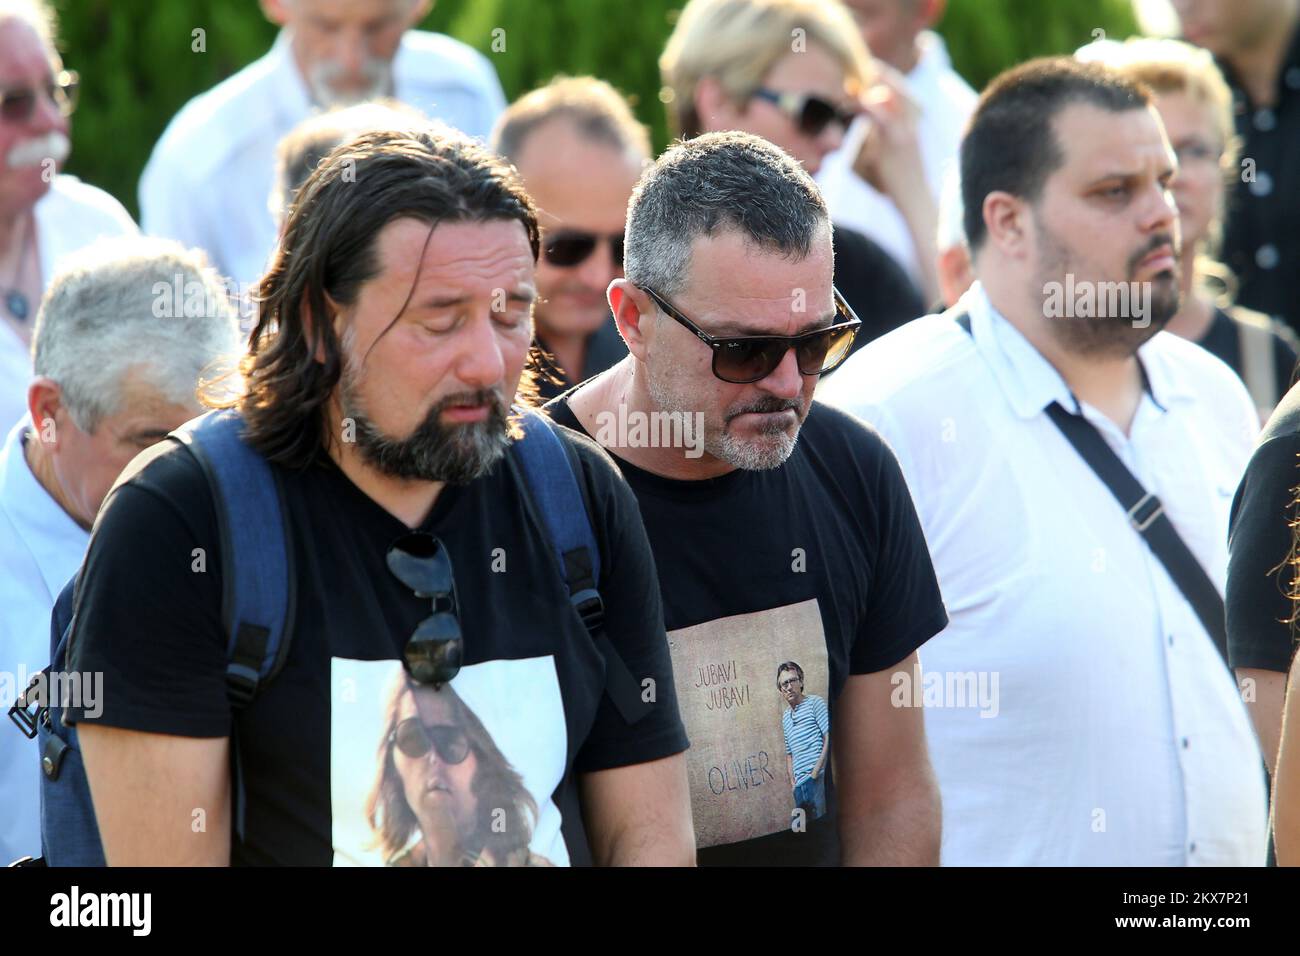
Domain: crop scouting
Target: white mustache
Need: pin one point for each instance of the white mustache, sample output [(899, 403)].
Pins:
[(32, 152)]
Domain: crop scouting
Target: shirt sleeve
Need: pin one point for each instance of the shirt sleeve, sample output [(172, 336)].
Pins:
[(905, 608), (1260, 540), (823, 717), (634, 624), (148, 610)]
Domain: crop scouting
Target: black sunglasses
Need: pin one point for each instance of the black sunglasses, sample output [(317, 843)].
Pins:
[(18, 104), (748, 358), (414, 739), (570, 247), (812, 113), (434, 651)]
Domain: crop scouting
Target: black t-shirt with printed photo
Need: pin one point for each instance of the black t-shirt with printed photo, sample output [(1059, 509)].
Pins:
[(821, 562), (345, 761)]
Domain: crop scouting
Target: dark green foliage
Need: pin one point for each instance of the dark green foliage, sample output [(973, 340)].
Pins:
[(138, 65)]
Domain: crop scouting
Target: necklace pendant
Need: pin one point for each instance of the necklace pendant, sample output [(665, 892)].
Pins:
[(16, 303)]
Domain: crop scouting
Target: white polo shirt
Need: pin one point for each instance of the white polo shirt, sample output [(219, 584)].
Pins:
[(70, 216), (209, 180), (41, 548), (1118, 736), (946, 102)]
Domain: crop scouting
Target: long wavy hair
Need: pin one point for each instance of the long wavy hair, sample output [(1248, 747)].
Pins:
[(496, 785), (328, 250)]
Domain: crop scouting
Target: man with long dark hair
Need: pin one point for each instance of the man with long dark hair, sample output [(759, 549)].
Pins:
[(393, 330)]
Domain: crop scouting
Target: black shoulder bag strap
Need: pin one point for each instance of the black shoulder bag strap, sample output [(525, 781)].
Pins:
[(1147, 516)]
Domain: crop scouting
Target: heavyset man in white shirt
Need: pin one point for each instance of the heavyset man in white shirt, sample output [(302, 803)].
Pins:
[(1120, 736), (116, 370), (211, 175)]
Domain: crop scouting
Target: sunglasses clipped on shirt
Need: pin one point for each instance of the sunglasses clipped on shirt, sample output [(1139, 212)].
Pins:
[(17, 105), (433, 653), (567, 248), (749, 358), (811, 113)]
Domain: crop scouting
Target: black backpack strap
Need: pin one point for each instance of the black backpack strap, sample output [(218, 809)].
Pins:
[(1147, 516), (550, 476)]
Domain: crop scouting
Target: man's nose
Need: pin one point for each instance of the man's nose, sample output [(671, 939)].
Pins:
[(600, 268), (349, 54), (480, 363), (785, 380)]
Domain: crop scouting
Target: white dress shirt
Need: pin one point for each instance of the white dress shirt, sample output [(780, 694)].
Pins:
[(946, 102), (69, 217), (1119, 737), (209, 180), (41, 548)]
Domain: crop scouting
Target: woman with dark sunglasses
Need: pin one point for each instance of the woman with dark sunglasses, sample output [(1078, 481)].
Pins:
[(445, 795)]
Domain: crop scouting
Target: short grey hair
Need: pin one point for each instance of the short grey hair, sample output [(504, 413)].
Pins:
[(137, 305), (37, 14), (598, 112), (718, 181)]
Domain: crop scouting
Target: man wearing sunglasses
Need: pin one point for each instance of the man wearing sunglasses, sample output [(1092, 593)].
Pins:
[(580, 151), (391, 342), (792, 536), (44, 216)]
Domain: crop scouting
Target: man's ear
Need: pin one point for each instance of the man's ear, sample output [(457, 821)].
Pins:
[(309, 324), (419, 8), (930, 12), (1006, 218), (277, 11), (630, 306), (49, 415)]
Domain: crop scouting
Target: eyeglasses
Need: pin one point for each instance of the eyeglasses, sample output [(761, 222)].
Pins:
[(571, 247), (18, 104), (789, 682), (748, 358), (415, 740), (812, 113), (434, 651)]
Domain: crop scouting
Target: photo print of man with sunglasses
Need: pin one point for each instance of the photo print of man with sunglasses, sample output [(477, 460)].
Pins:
[(793, 535), (391, 342), (580, 151), (45, 216)]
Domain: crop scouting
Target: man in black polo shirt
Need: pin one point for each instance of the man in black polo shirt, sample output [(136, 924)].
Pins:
[(781, 528), (1257, 45)]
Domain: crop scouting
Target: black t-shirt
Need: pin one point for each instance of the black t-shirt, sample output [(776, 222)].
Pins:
[(316, 746), (820, 562), (874, 285), (1223, 339), (1259, 541)]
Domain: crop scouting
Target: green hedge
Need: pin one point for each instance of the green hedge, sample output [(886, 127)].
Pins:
[(138, 65)]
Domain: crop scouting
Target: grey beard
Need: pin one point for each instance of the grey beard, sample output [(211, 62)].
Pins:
[(433, 452)]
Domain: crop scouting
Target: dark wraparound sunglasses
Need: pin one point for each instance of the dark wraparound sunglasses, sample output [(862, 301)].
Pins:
[(570, 247), (19, 103), (812, 113), (434, 651), (415, 740), (748, 358)]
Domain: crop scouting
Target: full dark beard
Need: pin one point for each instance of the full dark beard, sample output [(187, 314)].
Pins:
[(1115, 336), (456, 454)]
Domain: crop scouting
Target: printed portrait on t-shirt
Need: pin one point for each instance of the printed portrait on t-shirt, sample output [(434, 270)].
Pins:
[(760, 751), (458, 775)]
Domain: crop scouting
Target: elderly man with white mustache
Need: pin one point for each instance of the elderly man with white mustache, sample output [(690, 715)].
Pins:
[(44, 216)]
